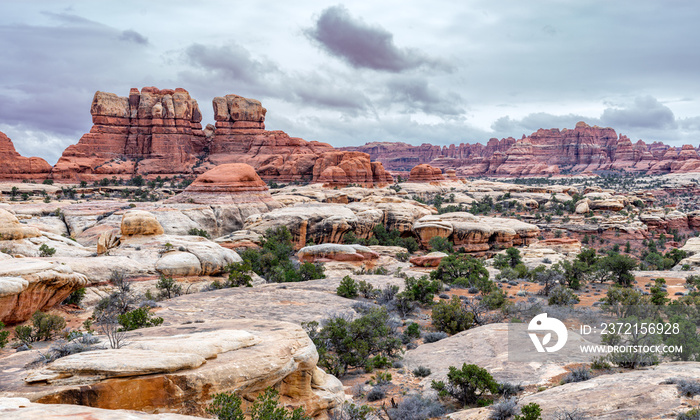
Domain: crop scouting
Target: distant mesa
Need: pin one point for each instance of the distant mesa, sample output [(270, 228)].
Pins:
[(425, 173), (14, 166), (584, 149)]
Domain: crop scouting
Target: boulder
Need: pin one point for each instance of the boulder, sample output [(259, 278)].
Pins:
[(429, 260), (140, 223), (22, 408), (11, 229), (28, 285)]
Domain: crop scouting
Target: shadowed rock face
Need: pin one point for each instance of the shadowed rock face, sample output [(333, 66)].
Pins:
[(152, 131), (544, 152), (15, 166)]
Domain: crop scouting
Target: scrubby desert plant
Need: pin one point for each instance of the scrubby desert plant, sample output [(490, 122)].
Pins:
[(347, 288), (466, 385)]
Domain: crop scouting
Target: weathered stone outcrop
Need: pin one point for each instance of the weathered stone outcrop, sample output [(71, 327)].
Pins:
[(11, 229), (22, 408), (343, 168), (29, 285), (637, 394), (425, 173), (474, 233), (546, 151), (178, 368), (140, 223), (230, 184), (15, 166), (336, 252), (152, 131)]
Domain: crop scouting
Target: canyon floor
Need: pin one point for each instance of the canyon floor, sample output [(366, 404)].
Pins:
[(173, 249)]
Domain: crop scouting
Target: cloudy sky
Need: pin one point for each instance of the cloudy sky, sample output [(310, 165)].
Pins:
[(361, 71)]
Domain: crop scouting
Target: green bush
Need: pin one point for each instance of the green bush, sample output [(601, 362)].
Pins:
[(466, 385), (46, 251), (440, 244), (238, 275), (138, 318), (76, 297), (462, 270), (412, 330), (3, 335), (343, 343), (46, 326), (421, 290), (227, 406), (168, 287), (199, 232), (421, 371), (618, 267), (451, 317), (531, 411), (658, 295), (561, 295), (366, 290), (347, 288)]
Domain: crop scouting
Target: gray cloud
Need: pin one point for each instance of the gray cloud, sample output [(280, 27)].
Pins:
[(133, 36), (363, 45), (416, 94), (232, 62), (645, 112)]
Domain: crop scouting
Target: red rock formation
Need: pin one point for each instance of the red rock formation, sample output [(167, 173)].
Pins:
[(232, 183), (343, 168), (546, 151), (425, 173), (14, 166), (240, 136), (150, 132)]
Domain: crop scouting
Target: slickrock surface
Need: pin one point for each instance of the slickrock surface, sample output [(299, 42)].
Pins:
[(336, 252), (22, 408), (638, 394)]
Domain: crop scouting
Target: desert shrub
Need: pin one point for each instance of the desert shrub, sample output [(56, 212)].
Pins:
[(467, 384), (503, 409), (531, 411), (380, 271), (347, 288), (495, 299), (46, 326), (658, 293), (376, 393), (421, 290), (451, 317), (344, 343), (412, 330), (138, 318), (686, 387), (238, 275), (227, 406), (75, 298), (3, 335), (310, 271), (438, 243), (508, 389), (620, 300), (618, 267), (422, 371), (199, 232), (563, 296), (600, 363), (415, 407), (46, 251), (462, 270), (349, 411), (403, 256), (168, 287), (432, 337), (693, 414), (387, 294), (377, 362), (510, 259), (578, 374), (78, 344), (366, 289)]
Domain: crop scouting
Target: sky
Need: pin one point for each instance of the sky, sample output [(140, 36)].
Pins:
[(356, 72)]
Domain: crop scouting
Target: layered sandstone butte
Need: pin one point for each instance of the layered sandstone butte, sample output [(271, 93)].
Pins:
[(425, 173), (231, 183), (544, 152), (151, 132), (240, 137), (15, 166)]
